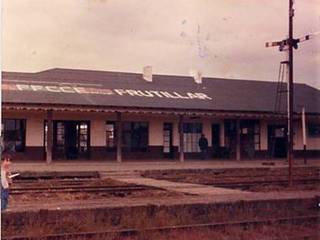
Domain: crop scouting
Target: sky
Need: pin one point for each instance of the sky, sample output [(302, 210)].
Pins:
[(220, 38)]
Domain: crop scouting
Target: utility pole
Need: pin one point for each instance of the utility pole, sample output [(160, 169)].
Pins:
[(290, 92), (304, 137), (284, 45)]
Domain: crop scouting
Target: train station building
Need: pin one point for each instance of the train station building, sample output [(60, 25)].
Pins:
[(65, 114)]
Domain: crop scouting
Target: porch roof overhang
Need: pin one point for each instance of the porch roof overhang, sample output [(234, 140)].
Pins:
[(137, 110)]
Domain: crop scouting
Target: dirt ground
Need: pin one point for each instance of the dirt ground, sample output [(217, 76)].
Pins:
[(283, 231), (265, 178), (266, 232), (57, 182), (58, 197), (207, 177), (236, 233), (283, 188), (46, 196)]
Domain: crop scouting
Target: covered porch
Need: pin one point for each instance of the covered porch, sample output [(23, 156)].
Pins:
[(122, 134)]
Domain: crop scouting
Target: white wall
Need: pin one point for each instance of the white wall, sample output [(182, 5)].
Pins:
[(176, 132), (34, 125), (206, 129), (313, 143), (156, 132), (98, 132), (34, 132)]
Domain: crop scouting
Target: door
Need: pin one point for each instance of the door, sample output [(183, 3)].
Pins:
[(58, 140), (230, 131), (277, 141), (71, 139), (83, 139), (167, 140), (247, 138), (215, 133)]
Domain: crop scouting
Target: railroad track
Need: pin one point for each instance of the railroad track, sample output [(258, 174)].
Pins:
[(246, 184), (225, 175), (244, 224), (75, 186), (230, 178), (238, 181), (74, 189)]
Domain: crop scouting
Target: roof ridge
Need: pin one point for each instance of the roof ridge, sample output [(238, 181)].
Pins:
[(207, 79)]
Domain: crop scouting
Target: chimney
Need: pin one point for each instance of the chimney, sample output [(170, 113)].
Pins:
[(147, 73), (197, 76)]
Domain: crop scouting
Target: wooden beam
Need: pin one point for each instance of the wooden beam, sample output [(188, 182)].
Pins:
[(49, 137), (181, 149), (119, 136)]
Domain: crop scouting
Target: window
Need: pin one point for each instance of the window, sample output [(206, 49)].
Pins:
[(191, 135), (280, 132), (14, 134), (250, 134), (83, 132), (167, 137), (257, 137), (60, 133), (314, 130), (59, 129), (135, 136), (110, 135)]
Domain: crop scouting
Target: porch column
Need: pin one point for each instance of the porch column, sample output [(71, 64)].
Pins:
[(238, 150), (119, 137), (49, 137), (181, 152)]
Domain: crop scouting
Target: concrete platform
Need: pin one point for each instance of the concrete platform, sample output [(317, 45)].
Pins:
[(130, 166), (188, 188), (78, 217), (200, 204)]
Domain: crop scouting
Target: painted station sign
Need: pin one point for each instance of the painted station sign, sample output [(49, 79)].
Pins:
[(104, 91)]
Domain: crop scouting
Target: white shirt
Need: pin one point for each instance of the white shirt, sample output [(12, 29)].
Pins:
[(4, 180)]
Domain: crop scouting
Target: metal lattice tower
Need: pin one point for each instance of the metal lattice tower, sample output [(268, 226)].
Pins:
[(282, 89)]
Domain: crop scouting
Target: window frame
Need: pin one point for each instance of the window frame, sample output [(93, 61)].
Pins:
[(191, 134), (19, 132), (313, 127), (113, 146)]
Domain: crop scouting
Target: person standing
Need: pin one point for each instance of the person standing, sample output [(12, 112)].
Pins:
[(203, 145), (5, 181)]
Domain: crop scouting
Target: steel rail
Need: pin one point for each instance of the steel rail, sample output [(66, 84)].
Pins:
[(80, 189), (220, 225)]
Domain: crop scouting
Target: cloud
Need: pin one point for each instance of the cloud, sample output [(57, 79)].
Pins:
[(126, 35)]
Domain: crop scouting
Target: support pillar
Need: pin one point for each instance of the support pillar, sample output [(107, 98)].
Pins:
[(238, 143), (49, 137), (119, 137), (304, 135), (181, 148)]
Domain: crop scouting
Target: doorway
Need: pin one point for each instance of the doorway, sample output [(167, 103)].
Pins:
[(249, 138), (167, 140), (277, 141), (230, 133), (215, 133), (71, 139)]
